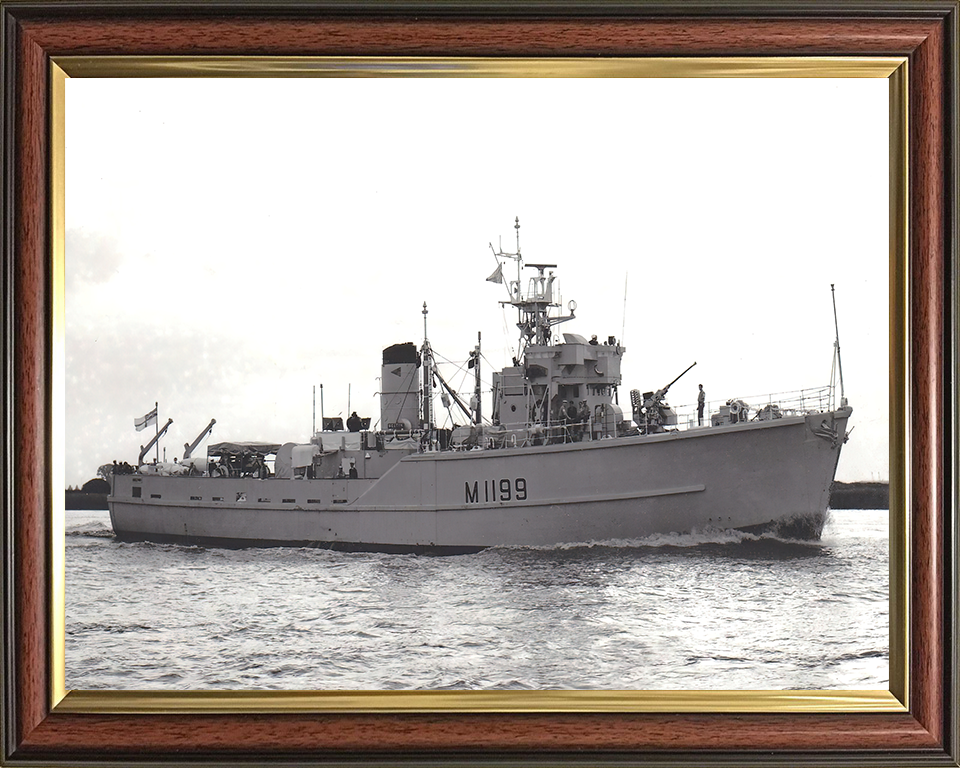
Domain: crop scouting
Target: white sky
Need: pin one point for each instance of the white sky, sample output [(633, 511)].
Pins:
[(231, 243)]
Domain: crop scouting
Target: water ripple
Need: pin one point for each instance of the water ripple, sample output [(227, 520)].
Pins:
[(715, 610)]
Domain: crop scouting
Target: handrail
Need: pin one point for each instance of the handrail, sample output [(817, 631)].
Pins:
[(797, 402)]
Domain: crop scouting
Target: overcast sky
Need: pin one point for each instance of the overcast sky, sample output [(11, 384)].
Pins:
[(232, 243)]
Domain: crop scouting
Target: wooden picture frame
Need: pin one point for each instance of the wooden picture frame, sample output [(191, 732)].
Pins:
[(36, 730)]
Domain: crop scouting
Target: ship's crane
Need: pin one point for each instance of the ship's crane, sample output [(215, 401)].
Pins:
[(145, 449), (188, 448)]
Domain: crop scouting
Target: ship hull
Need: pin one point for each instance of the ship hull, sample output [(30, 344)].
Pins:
[(756, 476)]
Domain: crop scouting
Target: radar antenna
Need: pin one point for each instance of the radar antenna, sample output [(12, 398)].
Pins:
[(534, 307)]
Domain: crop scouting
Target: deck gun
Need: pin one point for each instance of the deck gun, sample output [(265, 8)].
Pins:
[(651, 412)]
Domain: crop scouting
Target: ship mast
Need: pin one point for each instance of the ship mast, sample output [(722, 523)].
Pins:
[(427, 374), (533, 309), (476, 387)]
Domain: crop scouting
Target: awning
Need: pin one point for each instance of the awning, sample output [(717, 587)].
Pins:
[(241, 449)]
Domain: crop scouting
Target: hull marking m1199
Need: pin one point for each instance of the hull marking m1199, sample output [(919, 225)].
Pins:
[(495, 490)]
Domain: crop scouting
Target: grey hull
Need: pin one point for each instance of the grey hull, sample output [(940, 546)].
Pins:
[(757, 476)]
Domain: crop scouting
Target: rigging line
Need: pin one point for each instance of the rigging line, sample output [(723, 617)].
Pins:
[(490, 365), (459, 369), (459, 366), (453, 394), (833, 379), (836, 326), (506, 332), (466, 371), (463, 377), (449, 389), (623, 329), (484, 381)]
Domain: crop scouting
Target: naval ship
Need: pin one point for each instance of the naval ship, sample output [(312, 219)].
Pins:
[(560, 459)]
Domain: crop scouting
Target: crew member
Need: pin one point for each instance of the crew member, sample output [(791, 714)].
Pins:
[(701, 401), (354, 422), (583, 416)]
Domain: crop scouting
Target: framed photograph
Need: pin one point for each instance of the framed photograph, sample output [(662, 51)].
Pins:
[(208, 288), (174, 143)]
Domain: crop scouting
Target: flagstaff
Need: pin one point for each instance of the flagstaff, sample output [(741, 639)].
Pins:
[(836, 326)]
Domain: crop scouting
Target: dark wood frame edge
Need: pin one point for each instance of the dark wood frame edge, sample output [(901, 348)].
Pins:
[(486, 9)]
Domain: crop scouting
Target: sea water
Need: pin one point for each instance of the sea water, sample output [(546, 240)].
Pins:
[(724, 611)]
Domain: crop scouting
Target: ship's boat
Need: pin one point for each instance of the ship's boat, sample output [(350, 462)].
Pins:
[(559, 460)]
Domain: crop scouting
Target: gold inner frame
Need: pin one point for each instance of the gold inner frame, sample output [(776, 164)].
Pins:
[(894, 69)]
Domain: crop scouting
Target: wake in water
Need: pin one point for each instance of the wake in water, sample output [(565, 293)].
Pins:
[(716, 542), (719, 542), (90, 529)]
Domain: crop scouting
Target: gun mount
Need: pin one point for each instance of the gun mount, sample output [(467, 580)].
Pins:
[(650, 410)]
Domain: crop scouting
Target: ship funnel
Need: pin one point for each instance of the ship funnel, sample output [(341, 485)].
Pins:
[(399, 387)]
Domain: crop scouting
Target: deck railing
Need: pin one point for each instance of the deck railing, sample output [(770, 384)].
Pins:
[(757, 407), (799, 402)]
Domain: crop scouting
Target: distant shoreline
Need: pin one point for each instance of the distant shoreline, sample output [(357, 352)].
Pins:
[(85, 500), (861, 495)]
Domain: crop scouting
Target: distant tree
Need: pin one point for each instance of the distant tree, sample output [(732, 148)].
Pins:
[(104, 471), (97, 485)]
